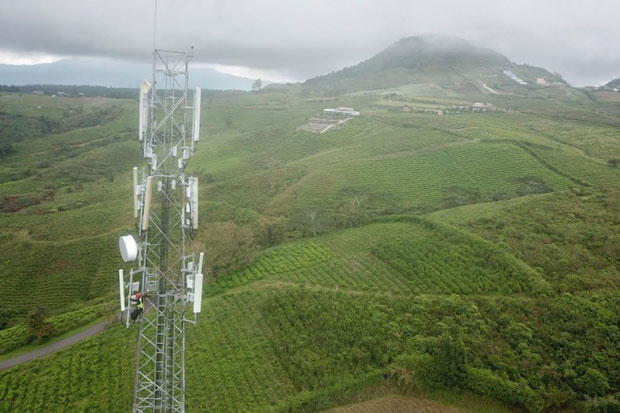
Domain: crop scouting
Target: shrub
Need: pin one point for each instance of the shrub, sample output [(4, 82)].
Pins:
[(412, 371), (483, 381)]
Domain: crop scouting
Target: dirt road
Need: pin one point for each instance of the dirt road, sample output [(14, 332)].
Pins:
[(52, 348)]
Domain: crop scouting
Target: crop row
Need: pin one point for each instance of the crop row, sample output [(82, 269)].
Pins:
[(95, 375), (441, 266), (234, 366), (250, 352), (425, 178), (402, 258), (280, 260), (55, 275)]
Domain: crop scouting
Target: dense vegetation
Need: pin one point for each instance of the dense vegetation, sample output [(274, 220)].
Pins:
[(475, 252)]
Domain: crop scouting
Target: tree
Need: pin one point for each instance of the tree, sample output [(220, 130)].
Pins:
[(228, 247), (37, 324), (312, 216), (352, 213), (272, 231), (257, 84)]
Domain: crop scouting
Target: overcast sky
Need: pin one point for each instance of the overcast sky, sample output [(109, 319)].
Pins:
[(294, 40)]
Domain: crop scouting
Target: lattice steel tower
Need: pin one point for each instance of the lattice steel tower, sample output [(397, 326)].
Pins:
[(166, 212)]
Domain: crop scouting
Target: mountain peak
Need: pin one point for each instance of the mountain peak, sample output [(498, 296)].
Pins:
[(435, 49), (435, 40), (445, 63)]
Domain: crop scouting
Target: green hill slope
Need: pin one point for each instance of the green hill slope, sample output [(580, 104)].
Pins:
[(466, 173), (59, 191), (447, 63), (308, 331), (407, 257)]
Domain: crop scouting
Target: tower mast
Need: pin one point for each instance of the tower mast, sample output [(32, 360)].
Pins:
[(166, 212)]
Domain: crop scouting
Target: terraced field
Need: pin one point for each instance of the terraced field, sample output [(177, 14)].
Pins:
[(474, 171), (414, 257), (61, 197)]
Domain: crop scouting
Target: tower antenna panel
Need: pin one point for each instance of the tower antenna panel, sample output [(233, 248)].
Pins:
[(196, 126), (193, 187), (197, 293), (121, 285), (146, 214), (136, 205), (145, 87)]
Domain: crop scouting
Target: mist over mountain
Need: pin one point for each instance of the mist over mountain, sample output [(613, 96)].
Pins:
[(439, 64), (109, 72), (437, 60)]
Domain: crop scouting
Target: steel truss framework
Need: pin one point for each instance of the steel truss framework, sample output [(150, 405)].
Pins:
[(163, 261)]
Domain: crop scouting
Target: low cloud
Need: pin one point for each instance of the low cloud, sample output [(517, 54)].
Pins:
[(297, 40)]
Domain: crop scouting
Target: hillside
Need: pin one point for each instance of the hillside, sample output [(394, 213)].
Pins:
[(613, 83), (59, 193), (448, 64), (468, 258), (328, 318)]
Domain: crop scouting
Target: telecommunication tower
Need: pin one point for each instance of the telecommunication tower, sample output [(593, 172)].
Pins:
[(168, 276)]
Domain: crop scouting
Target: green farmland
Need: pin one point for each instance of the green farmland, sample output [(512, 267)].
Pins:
[(470, 259)]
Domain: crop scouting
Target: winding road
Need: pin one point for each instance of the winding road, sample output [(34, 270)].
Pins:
[(52, 348)]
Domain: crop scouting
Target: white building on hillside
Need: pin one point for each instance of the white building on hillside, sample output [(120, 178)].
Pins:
[(482, 107), (341, 112)]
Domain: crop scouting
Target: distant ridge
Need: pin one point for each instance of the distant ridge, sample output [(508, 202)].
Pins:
[(613, 83), (439, 60), (108, 72)]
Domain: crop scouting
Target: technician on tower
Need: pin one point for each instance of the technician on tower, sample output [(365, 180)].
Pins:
[(138, 300)]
